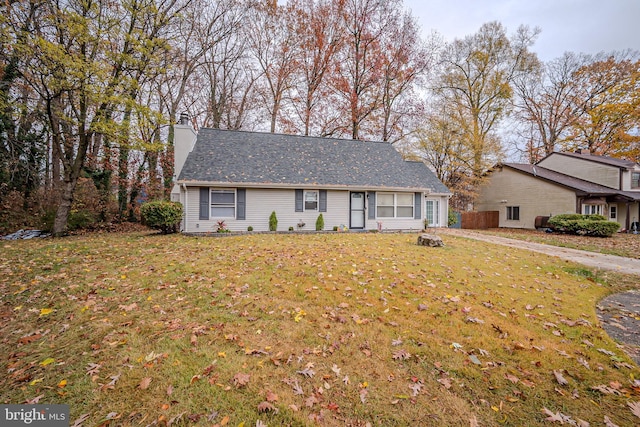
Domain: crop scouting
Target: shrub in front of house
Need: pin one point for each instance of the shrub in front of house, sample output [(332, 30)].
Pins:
[(320, 223), (584, 225), (452, 218), (273, 221), (162, 215)]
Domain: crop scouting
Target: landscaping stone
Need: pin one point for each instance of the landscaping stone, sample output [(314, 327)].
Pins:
[(430, 240)]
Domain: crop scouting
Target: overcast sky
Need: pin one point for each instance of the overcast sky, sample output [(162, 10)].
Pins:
[(588, 26)]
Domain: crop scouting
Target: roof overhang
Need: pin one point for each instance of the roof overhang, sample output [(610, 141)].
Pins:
[(303, 186)]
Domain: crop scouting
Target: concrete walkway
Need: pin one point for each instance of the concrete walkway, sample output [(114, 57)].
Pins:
[(590, 259)]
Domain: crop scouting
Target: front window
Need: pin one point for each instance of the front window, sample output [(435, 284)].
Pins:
[(223, 204), (394, 205), (613, 212), (592, 209), (635, 179), (513, 213), (311, 201)]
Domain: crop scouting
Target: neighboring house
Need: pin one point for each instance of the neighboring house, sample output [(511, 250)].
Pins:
[(563, 183), (241, 177)]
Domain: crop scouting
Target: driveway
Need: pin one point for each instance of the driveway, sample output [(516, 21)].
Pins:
[(619, 314)]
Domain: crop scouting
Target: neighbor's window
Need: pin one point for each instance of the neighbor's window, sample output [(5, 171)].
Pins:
[(223, 204), (394, 205), (592, 209), (613, 212), (635, 179), (311, 201), (513, 213)]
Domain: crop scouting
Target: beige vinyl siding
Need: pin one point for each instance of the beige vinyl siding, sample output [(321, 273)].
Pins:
[(535, 197), (259, 205), (626, 180), (395, 224), (261, 202), (608, 176)]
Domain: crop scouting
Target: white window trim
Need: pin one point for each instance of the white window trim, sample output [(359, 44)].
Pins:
[(613, 212), (395, 206), (598, 209), (510, 211), (304, 201), (225, 205)]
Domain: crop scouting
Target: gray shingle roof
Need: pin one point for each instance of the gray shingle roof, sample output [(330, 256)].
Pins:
[(253, 158), (579, 185)]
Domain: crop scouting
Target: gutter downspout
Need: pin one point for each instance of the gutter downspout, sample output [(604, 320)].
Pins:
[(184, 219)]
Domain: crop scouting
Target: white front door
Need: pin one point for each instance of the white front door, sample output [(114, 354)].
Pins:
[(432, 212), (357, 210)]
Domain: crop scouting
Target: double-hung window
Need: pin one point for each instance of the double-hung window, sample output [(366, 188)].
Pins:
[(513, 213), (311, 201), (223, 204), (635, 179), (394, 205)]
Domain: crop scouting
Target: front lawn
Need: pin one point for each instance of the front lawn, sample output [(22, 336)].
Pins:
[(337, 329)]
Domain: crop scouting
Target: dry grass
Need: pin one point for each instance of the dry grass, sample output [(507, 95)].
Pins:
[(621, 244), (306, 329)]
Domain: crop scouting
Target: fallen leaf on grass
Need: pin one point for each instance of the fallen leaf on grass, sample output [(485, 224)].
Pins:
[(363, 395), (560, 378), (93, 368), (401, 354), (47, 361), (605, 389), (635, 408), (45, 311), (35, 400), (307, 372), (144, 383), (559, 416), (271, 397), (608, 422), (81, 419), (446, 382), (266, 407), (240, 379), (310, 401)]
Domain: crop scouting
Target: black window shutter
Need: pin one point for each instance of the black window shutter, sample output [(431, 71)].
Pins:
[(372, 204), (417, 212), (323, 201), (241, 211), (204, 203), (299, 201)]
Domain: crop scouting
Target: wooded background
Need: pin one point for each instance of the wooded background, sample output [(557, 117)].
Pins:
[(90, 91)]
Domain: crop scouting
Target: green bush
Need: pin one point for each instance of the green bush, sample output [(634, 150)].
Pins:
[(320, 223), (584, 225), (273, 222), (250, 228), (162, 215), (452, 218)]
